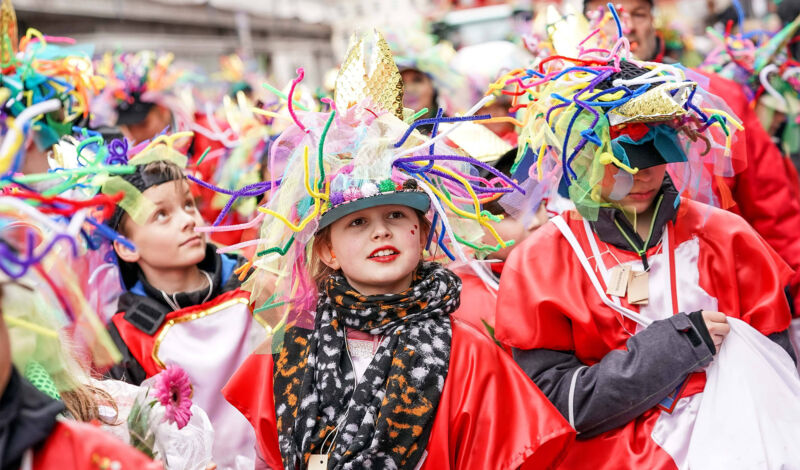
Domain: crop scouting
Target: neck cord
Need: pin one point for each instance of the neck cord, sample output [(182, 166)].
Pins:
[(173, 302), (643, 251)]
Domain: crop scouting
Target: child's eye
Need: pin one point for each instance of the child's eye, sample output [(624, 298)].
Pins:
[(189, 204), (358, 221), (161, 215), (396, 215)]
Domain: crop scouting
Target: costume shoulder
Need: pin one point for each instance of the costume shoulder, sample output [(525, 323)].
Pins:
[(746, 275), (478, 301), (250, 391), (75, 445), (140, 341), (538, 291), (485, 387)]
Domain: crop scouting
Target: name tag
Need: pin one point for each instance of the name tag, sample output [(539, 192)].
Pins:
[(639, 288), (318, 462), (619, 277)]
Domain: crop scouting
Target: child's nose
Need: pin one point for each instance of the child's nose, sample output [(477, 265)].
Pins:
[(380, 230)]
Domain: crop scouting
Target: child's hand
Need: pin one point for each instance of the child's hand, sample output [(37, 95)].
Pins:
[(717, 324)]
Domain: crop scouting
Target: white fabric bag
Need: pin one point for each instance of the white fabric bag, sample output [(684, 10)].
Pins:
[(749, 416)]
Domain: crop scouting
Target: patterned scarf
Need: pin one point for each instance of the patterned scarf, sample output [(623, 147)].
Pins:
[(385, 421)]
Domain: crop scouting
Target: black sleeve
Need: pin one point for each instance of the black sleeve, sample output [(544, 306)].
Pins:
[(625, 383), (782, 339), (128, 369)]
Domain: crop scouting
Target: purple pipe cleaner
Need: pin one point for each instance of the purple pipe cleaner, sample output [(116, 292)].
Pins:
[(459, 158), (422, 122), (8, 256), (117, 152), (251, 190)]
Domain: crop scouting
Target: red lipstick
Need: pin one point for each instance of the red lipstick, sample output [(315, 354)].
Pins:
[(384, 254)]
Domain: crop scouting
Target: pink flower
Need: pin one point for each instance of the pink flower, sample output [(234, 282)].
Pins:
[(174, 392)]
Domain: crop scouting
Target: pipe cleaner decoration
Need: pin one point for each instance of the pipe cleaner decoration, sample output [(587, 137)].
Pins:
[(360, 149), (763, 64), (46, 85), (238, 174), (582, 110), (137, 81), (44, 266)]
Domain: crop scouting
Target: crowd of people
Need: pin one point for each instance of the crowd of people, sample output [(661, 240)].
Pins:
[(567, 250)]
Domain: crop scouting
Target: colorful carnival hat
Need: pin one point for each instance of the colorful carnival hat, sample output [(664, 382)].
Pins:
[(365, 152), (603, 107), (763, 64), (135, 82), (45, 88)]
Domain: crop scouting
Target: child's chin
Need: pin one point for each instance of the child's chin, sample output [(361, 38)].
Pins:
[(194, 256)]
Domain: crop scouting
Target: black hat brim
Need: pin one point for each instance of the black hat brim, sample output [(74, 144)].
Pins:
[(134, 113), (644, 155)]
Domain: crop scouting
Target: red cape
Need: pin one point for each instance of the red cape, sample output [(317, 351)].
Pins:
[(546, 301), (490, 414), (81, 446), (477, 301)]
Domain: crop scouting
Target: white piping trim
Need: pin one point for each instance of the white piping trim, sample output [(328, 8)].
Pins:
[(571, 405), (576, 247)]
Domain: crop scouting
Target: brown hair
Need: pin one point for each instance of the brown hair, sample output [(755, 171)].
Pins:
[(83, 403), (320, 271)]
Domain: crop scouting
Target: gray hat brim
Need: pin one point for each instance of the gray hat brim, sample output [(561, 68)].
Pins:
[(415, 199)]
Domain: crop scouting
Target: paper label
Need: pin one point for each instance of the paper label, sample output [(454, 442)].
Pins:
[(318, 462), (639, 288), (362, 349), (618, 279)]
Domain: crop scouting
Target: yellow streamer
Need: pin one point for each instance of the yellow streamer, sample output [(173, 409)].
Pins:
[(14, 321), (168, 140), (318, 197)]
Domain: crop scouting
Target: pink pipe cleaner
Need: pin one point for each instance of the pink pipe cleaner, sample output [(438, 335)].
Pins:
[(300, 74)]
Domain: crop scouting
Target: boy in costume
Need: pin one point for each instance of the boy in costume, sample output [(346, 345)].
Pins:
[(182, 303), (761, 192), (613, 308)]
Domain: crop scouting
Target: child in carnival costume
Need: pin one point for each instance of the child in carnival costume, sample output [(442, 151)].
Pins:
[(366, 367), (761, 190), (42, 303), (182, 302), (47, 400), (613, 309)]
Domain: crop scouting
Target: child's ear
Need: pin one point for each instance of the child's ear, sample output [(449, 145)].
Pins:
[(125, 253), (327, 255)]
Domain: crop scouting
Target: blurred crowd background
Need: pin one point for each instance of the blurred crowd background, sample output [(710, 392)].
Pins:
[(275, 37)]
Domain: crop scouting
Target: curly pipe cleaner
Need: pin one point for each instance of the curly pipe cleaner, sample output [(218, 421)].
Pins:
[(251, 190)]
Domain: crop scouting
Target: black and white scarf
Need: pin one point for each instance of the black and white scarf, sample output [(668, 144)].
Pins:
[(384, 422)]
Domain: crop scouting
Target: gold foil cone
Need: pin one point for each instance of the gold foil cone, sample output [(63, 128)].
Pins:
[(377, 80), (654, 105)]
